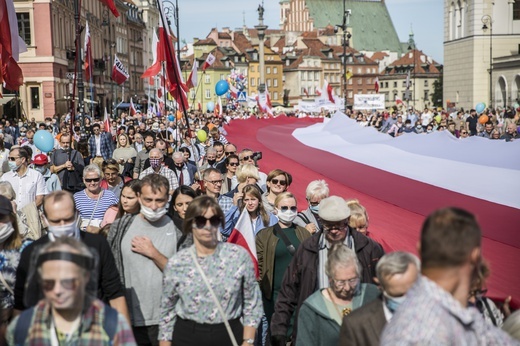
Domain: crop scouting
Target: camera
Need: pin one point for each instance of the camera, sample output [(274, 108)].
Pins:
[(256, 156)]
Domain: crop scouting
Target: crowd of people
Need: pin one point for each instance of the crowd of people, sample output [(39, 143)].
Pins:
[(125, 235)]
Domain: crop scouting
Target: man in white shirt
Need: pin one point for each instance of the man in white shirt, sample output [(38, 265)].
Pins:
[(30, 143), (28, 184)]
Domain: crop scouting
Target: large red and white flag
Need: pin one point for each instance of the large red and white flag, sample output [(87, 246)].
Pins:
[(264, 103), (119, 72), (376, 85), (87, 49), (11, 45), (133, 111), (106, 122), (192, 79), (157, 55), (244, 236), (209, 61), (112, 6)]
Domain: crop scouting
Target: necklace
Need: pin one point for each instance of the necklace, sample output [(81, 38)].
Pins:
[(344, 312)]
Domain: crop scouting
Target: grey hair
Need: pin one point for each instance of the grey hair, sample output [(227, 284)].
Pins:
[(512, 325), (155, 150), (211, 150), (178, 155), (92, 168), (395, 263), (6, 190), (317, 188), (341, 256)]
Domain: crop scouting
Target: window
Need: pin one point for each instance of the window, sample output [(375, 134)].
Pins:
[(350, 94), (304, 75), (207, 79), (268, 82), (35, 98), (395, 95), (426, 95), (275, 70), (359, 70), (516, 10), (426, 83), (222, 76), (275, 82), (369, 81), (350, 81), (275, 95), (24, 27), (395, 84), (253, 82), (252, 68), (404, 84), (359, 81), (268, 70), (207, 93)]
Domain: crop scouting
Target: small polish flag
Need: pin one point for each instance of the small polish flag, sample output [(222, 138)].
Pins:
[(376, 85), (244, 236), (106, 122), (209, 61), (133, 111), (192, 79)]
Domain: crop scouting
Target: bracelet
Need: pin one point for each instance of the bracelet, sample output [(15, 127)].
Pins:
[(249, 341)]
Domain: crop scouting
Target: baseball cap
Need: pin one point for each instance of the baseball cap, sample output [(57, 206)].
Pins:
[(40, 160)]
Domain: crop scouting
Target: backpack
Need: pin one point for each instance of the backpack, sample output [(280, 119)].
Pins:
[(23, 324)]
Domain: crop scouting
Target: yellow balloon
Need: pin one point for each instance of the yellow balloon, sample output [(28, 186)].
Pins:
[(202, 136)]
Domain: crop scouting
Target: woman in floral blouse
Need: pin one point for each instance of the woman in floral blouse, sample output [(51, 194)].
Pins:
[(11, 247), (189, 315)]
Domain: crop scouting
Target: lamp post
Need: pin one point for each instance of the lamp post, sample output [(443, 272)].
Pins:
[(79, 63), (346, 43), (171, 10), (106, 22), (487, 21)]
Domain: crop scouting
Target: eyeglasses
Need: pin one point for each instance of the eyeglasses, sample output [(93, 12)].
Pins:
[(215, 182), (312, 203), (464, 133), (13, 158), (234, 164), (247, 158), (285, 208), (201, 221), (276, 182), (230, 152), (68, 284), (338, 227), (92, 180), (342, 283)]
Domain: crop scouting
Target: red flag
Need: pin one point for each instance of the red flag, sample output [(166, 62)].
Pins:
[(119, 73), (157, 54), (88, 54), (233, 91), (106, 122), (218, 105), (244, 236), (192, 79), (11, 46), (199, 107), (133, 111), (306, 92), (398, 101), (209, 61), (111, 5), (318, 92), (376, 85), (329, 92)]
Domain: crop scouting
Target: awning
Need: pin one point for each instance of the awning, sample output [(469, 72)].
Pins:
[(5, 99), (68, 99)]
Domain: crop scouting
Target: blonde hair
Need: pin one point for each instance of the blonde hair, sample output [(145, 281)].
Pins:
[(356, 207), (247, 171), (357, 219), (282, 196), (127, 140)]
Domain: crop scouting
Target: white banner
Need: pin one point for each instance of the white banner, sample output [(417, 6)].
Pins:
[(369, 101)]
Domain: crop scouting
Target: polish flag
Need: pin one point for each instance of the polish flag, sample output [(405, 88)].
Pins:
[(119, 72), (88, 54), (209, 61), (199, 107), (156, 53), (398, 101), (133, 111), (244, 236), (192, 79), (112, 6), (11, 45), (233, 91), (306, 92), (376, 85), (106, 122), (318, 92), (328, 88)]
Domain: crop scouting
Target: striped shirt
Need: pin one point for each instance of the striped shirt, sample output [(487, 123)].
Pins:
[(165, 172), (87, 206)]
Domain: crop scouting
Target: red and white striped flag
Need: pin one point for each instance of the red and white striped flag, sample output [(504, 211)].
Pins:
[(112, 6), (376, 85), (119, 72), (306, 92), (209, 61), (157, 54), (192, 79), (133, 111), (328, 88), (244, 236), (11, 45), (106, 122), (88, 54)]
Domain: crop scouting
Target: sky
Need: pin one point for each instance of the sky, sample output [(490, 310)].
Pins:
[(197, 17)]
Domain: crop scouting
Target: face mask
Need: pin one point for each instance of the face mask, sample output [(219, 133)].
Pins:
[(22, 134), (211, 162), (286, 217), (68, 230), (13, 166), (392, 303), (155, 163), (152, 215), (429, 131), (5, 231), (40, 169), (408, 126), (315, 208)]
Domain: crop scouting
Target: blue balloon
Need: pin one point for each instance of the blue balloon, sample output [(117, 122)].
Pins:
[(480, 107), (44, 140), (221, 87), (210, 106), (171, 117)]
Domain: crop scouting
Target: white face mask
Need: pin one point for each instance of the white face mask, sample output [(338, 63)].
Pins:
[(152, 215), (13, 166), (5, 231), (40, 169), (286, 217), (68, 230)]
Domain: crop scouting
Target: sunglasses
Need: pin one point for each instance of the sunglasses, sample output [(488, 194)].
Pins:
[(201, 221), (68, 284), (276, 182), (215, 182), (312, 203), (247, 158), (285, 208), (92, 180), (463, 133), (230, 152), (13, 158), (234, 164)]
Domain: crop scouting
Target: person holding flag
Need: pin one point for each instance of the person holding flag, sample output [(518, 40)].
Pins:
[(209, 287)]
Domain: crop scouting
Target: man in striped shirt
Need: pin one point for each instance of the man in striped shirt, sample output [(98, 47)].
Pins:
[(93, 201)]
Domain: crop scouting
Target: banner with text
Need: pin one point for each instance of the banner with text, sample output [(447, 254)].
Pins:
[(369, 101)]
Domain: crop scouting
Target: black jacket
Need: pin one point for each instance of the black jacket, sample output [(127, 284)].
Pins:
[(301, 278)]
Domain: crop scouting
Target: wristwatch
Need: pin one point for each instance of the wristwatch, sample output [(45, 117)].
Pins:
[(249, 341)]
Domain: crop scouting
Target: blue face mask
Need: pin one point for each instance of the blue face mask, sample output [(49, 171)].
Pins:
[(314, 208), (393, 303)]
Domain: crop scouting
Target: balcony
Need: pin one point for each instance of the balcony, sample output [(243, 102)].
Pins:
[(99, 67)]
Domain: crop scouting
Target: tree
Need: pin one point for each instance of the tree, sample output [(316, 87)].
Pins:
[(437, 92)]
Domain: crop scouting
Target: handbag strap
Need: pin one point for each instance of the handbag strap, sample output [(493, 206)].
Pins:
[(219, 307), (6, 285), (95, 207), (277, 230)]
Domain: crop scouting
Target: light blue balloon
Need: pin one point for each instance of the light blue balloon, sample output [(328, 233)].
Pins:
[(210, 106), (171, 117), (480, 107), (221, 87), (44, 140)]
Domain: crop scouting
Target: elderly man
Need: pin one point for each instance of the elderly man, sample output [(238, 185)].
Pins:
[(69, 313), (28, 184), (66, 163), (163, 147), (143, 155), (309, 218), (157, 167), (30, 143), (93, 201), (436, 311), (511, 133), (184, 171), (62, 219), (246, 156), (142, 245), (396, 273), (210, 160), (306, 273)]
